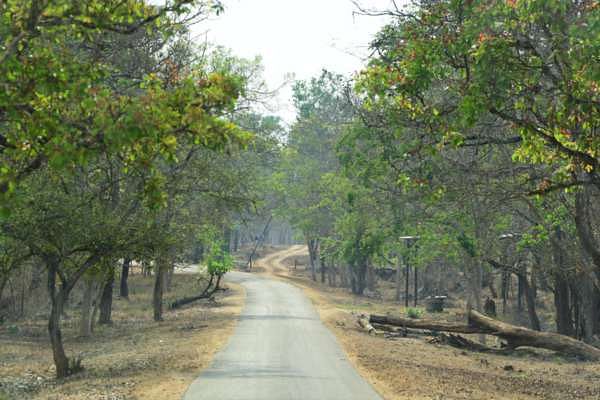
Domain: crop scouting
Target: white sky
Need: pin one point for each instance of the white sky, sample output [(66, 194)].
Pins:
[(295, 36)]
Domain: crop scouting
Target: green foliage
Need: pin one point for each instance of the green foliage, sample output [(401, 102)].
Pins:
[(414, 313), (217, 260), (528, 64), (59, 106)]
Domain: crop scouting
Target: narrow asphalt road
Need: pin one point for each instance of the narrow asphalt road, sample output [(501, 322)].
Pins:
[(280, 350)]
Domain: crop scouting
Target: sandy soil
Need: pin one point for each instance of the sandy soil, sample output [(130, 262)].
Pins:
[(412, 368), (135, 358)]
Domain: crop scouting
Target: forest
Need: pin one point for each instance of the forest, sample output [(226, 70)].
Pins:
[(461, 163)]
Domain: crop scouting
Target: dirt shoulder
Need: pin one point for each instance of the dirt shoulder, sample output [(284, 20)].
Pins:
[(409, 368), (135, 358)]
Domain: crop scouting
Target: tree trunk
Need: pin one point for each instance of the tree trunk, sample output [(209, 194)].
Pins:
[(359, 281), (169, 276), (157, 295), (36, 275), (516, 336), (208, 291), (406, 284), (398, 279), (87, 305), (57, 299), (564, 319), (344, 275), (585, 232), (323, 268), (106, 299), (370, 278), (534, 321), (416, 287), (124, 287), (312, 255)]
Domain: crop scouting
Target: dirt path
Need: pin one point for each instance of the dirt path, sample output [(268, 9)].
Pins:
[(273, 263)]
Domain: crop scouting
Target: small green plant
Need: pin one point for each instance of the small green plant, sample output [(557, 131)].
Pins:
[(414, 313)]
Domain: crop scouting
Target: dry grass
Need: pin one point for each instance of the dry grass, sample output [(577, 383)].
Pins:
[(135, 358), (412, 368)]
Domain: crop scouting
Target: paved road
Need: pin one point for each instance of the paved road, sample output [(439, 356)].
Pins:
[(280, 351)]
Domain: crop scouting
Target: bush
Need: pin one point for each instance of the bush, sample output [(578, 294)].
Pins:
[(414, 313)]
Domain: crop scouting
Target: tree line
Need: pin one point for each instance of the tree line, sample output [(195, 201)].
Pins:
[(468, 148), (122, 142)]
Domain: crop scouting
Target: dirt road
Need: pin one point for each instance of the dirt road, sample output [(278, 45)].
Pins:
[(280, 349)]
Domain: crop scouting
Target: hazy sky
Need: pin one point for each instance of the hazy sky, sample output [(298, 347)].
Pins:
[(295, 36)]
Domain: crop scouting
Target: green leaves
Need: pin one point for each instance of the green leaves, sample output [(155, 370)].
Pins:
[(59, 103)]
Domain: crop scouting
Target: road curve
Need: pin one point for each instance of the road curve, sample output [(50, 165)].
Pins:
[(280, 350)]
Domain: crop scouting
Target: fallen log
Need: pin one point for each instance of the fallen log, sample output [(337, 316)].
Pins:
[(425, 324), (207, 293), (515, 336), (461, 342)]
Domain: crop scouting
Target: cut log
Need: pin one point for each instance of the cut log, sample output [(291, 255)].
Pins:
[(363, 322), (517, 336), (426, 324)]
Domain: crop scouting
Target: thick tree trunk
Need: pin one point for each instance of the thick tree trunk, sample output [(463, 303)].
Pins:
[(358, 279), (515, 336), (564, 319), (124, 287), (105, 317), (57, 300), (323, 269), (518, 336)]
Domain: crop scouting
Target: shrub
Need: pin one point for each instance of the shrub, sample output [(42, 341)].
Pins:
[(414, 313)]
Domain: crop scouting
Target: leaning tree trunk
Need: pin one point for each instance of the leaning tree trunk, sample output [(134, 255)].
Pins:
[(124, 287), (57, 301), (106, 300)]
